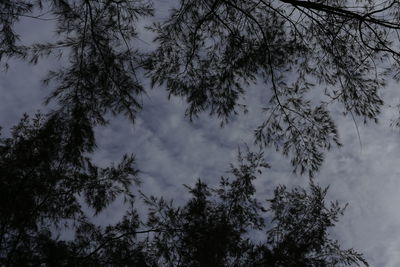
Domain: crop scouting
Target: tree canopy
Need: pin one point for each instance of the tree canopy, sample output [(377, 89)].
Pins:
[(309, 54), (40, 190)]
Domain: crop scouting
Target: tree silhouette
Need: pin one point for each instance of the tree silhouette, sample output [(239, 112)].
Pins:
[(213, 228), (44, 176), (311, 54)]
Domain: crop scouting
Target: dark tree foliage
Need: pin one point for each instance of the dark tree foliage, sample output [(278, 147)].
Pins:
[(214, 227), (10, 11), (45, 180), (310, 54), (210, 52), (94, 37)]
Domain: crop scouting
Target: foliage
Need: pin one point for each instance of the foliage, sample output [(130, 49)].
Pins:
[(213, 228), (10, 12), (310, 54), (45, 181), (94, 39)]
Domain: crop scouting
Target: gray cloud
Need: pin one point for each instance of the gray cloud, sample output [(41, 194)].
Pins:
[(172, 151)]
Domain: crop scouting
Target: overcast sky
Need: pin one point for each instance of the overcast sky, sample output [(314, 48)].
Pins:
[(172, 151)]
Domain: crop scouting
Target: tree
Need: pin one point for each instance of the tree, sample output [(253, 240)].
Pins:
[(215, 226), (209, 53), (39, 193), (311, 54), (45, 175)]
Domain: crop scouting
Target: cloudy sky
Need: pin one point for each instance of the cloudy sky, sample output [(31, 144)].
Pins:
[(172, 151)]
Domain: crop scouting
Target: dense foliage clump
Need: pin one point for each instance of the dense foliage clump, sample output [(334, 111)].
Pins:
[(43, 192)]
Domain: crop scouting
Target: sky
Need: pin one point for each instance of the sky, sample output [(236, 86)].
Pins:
[(172, 151)]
